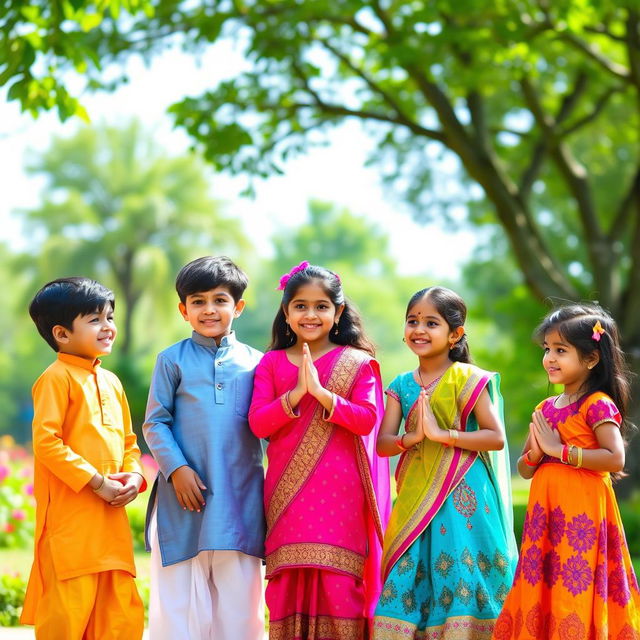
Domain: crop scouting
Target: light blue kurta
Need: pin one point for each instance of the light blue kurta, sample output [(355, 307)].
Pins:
[(197, 415)]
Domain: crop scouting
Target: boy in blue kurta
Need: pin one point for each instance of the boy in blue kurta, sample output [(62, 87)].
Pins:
[(205, 522)]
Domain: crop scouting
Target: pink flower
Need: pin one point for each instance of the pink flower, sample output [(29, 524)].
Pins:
[(9, 528), (4, 472), (26, 472), (28, 489), (18, 514), (287, 276), (149, 461)]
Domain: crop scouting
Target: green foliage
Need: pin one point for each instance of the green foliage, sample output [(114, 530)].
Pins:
[(12, 590), (43, 43)]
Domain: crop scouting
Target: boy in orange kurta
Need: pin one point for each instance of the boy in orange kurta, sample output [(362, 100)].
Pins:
[(87, 468)]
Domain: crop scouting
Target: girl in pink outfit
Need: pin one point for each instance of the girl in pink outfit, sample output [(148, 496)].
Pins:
[(318, 399)]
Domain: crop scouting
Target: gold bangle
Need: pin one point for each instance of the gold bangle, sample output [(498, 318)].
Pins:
[(400, 442), (99, 486), (453, 435), (580, 450)]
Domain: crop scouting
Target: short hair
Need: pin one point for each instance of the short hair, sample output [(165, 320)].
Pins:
[(61, 301), (208, 273)]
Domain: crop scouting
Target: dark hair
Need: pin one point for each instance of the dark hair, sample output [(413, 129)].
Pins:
[(575, 324), (62, 301), (208, 273), (350, 331), (453, 309)]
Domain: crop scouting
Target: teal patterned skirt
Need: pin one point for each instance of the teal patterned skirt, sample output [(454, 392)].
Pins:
[(453, 580)]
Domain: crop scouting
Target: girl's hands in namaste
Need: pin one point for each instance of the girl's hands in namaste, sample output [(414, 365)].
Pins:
[(296, 394), (314, 386), (547, 439), (428, 421), (535, 451)]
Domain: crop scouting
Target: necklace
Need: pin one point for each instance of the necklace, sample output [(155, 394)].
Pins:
[(422, 384)]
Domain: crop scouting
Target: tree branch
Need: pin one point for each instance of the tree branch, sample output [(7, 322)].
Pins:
[(375, 88), (530, 174), (601, 103), (363, 114), (623, 213), (632, 40), (617, 70)]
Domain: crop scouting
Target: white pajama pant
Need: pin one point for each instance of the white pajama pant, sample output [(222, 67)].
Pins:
[(218, 595)]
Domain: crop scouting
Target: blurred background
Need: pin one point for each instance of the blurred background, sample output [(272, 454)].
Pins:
[(488, 147)]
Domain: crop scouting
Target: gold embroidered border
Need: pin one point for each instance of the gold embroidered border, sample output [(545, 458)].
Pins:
[(315, 439), (455, 628), (313, 554), (302, 625), (367, 482)]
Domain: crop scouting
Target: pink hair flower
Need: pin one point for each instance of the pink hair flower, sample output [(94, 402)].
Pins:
[(597, 331), (287, 276)]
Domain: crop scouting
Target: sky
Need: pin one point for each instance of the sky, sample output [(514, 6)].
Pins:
[(335, 173)]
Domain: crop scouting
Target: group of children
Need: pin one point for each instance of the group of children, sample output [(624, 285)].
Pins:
[(341, 562)]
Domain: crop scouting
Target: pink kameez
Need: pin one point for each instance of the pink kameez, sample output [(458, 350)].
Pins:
[(326, 496)]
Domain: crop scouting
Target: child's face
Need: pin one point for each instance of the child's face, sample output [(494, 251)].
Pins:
[(426, 332), (91, 336), (563, 363), (211, 313), (311, 314)]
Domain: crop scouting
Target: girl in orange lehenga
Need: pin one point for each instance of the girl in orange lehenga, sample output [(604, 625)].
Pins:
[(574, 579)]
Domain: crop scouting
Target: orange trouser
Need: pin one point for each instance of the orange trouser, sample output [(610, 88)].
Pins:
[(97, 606)]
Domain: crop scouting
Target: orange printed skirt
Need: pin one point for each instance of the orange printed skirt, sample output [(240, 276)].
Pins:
[(574, 579)]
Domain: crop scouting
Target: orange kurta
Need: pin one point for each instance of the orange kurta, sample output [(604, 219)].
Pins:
[(574, 580), (81, 427)]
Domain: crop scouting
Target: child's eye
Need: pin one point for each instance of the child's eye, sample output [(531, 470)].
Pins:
[(561, 350), (432, 323), (546, 349)]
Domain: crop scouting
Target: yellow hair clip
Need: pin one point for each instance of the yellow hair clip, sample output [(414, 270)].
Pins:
[(597, 331)]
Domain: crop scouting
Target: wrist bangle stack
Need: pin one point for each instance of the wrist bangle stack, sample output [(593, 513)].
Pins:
[(399, 442), (580, 450), (99, 486), (453, 436), (527, 460), (564, 455)]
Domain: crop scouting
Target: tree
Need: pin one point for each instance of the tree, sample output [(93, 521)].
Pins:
[(118, 208), (534, 103)]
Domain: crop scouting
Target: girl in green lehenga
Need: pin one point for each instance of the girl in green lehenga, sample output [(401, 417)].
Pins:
[(449, 550)]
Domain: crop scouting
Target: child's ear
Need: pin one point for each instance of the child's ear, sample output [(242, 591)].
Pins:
[(239, 308), (457, 334), (593, 359), (60, 334), (183, 310)]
